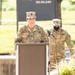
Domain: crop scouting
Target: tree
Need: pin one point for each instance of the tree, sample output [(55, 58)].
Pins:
[(58, 14), (58, 9)]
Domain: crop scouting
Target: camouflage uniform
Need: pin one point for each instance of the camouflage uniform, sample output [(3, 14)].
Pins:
[(35, 35), (57, 45)]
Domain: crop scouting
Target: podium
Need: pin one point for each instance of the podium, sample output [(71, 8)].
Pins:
[(32, 59)]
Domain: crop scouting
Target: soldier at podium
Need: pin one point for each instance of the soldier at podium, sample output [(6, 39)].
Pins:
[(31, 33)]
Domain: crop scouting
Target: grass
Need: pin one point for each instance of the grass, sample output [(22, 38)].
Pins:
[(8, 34), (8, 14), (8, 29), (67, 16)]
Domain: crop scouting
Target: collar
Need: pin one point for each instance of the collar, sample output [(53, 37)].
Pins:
[(31, 29)]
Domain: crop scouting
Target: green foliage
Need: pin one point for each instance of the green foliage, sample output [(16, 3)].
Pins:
[(68, 68), (65, 71), (73, 3), (4, 0), (63, 8), (73, 41), (72, 7), (68, 5), (72, 67), (11, 8), (8, 8)]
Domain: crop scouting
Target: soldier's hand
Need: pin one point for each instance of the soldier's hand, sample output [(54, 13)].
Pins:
[(73, 56)]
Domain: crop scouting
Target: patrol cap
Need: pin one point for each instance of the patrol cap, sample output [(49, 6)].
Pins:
[(31, 14), (56, 22)]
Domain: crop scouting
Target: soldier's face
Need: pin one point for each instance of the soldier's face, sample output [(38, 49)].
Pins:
[(31, 21), (56, 25)]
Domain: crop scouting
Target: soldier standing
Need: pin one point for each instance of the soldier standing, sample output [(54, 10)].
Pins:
[(31, 33), (58, 38)]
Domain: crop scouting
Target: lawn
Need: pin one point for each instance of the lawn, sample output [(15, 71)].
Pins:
[(8, 34), (8, 29)]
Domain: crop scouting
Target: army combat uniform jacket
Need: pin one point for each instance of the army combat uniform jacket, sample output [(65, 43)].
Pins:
[(57, 45), (28, 35)]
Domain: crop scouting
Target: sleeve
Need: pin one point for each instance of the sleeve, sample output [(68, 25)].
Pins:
[(18, 38), (44, 36), (69, 44)]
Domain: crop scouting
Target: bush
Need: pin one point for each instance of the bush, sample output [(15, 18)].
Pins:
[(68, 68), (72, 67), (72, 7), (65, 70), (63, 8), (11, 8), (4, 0)]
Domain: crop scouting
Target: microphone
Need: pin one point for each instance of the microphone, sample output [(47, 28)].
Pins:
[(53, 35), (48, 31)]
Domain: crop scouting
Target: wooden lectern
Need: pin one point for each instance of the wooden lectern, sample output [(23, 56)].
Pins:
[(32, 59)]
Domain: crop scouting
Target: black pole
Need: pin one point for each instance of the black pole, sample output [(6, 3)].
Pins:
[(17, 26)]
